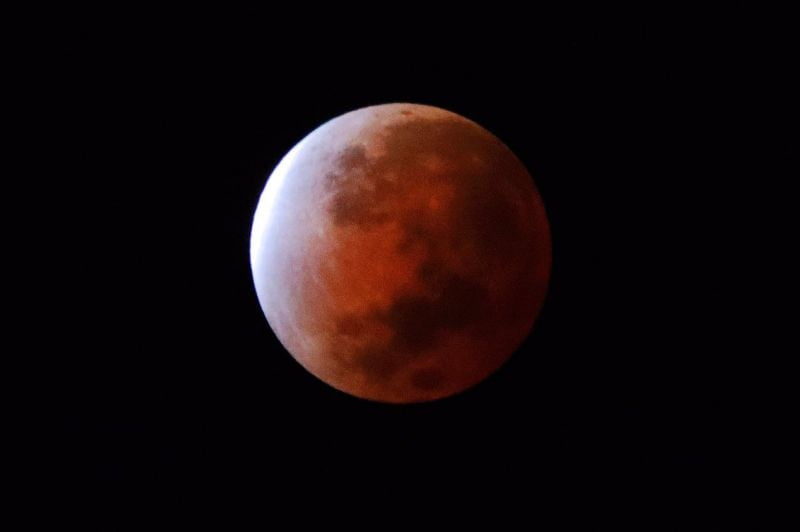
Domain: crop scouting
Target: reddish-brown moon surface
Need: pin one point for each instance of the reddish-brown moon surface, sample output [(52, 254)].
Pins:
[(400, 252)]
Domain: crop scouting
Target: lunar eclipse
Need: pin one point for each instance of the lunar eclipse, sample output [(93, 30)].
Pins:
[(401, 253)]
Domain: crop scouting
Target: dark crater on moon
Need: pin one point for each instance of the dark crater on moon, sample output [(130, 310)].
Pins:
[(418, 323)]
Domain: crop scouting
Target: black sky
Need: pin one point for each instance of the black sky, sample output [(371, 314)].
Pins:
[(167, 127)]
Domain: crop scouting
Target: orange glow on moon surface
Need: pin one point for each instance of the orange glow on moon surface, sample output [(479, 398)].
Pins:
[(401, 253)]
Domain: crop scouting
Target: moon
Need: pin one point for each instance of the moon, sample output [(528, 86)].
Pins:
[(401, 253)]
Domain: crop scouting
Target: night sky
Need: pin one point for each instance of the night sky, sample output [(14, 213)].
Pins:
[(175, 388)]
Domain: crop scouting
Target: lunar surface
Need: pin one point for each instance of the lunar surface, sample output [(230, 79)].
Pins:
[(401, 253)]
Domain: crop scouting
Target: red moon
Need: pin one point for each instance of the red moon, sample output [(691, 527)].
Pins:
[(401, 253)]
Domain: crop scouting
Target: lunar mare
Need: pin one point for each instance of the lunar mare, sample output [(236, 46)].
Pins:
[(400, 253)]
